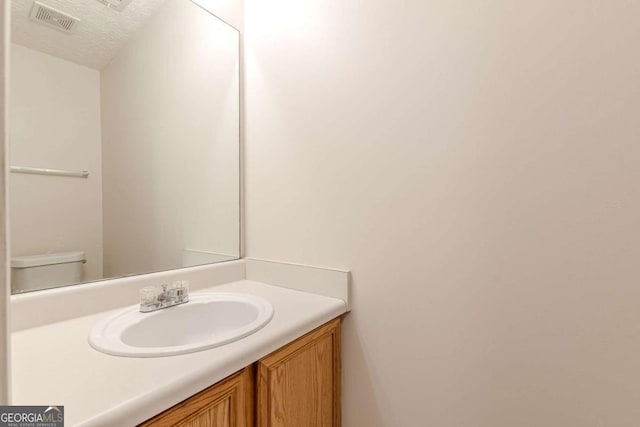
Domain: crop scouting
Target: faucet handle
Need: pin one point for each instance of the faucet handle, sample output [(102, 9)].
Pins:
[(181, 284), (148, 295), (182, 289)]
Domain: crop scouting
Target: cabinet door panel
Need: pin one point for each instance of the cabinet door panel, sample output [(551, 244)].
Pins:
[(299, 385), (228, 403), (218, 414)]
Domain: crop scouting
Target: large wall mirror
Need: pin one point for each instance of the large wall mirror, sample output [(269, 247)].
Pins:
[(123, 141)]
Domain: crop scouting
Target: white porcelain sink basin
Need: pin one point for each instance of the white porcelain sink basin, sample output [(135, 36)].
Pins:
[(208, 320)]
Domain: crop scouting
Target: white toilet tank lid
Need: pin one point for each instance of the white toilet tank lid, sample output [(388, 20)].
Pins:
[(47, 259)]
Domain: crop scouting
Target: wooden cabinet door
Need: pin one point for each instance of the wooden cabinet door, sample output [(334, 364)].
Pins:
[(299, 385), (228, 403)]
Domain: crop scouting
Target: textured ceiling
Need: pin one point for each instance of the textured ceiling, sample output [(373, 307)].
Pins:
[(98, 37)]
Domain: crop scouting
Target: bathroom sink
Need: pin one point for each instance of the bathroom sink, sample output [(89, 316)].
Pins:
[(208, 320)]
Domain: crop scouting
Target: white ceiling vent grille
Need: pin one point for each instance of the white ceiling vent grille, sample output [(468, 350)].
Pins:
[(53, 18), (118, 5)]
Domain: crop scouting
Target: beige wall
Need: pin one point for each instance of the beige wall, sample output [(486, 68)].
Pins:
[(230, 11), (55, 124), (475, 165), (170, 143), (5, 287)]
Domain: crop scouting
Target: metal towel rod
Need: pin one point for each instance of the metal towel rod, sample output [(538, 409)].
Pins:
[(54, 172)]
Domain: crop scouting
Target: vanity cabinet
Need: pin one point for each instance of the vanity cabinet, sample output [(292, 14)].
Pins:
[(228, 403), (295, 386), (299, 385)]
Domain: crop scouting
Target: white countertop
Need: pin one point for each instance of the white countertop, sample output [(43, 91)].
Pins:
[(54, 364)]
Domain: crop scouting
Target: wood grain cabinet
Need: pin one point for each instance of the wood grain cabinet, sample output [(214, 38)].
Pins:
[(299, 385), (228, 403), (295, 386)]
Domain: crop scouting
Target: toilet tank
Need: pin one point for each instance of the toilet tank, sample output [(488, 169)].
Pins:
[(33, 272)]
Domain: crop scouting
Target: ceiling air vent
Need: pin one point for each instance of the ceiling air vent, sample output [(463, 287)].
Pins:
[(52, 17)]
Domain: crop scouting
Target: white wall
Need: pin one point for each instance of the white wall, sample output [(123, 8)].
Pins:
[(55, 124), (475, 164), (170, 151)]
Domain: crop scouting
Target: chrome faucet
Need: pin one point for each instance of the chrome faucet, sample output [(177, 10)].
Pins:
[(154, 298)]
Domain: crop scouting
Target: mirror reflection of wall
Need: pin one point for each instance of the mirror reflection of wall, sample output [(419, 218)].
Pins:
[(144, 96)]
